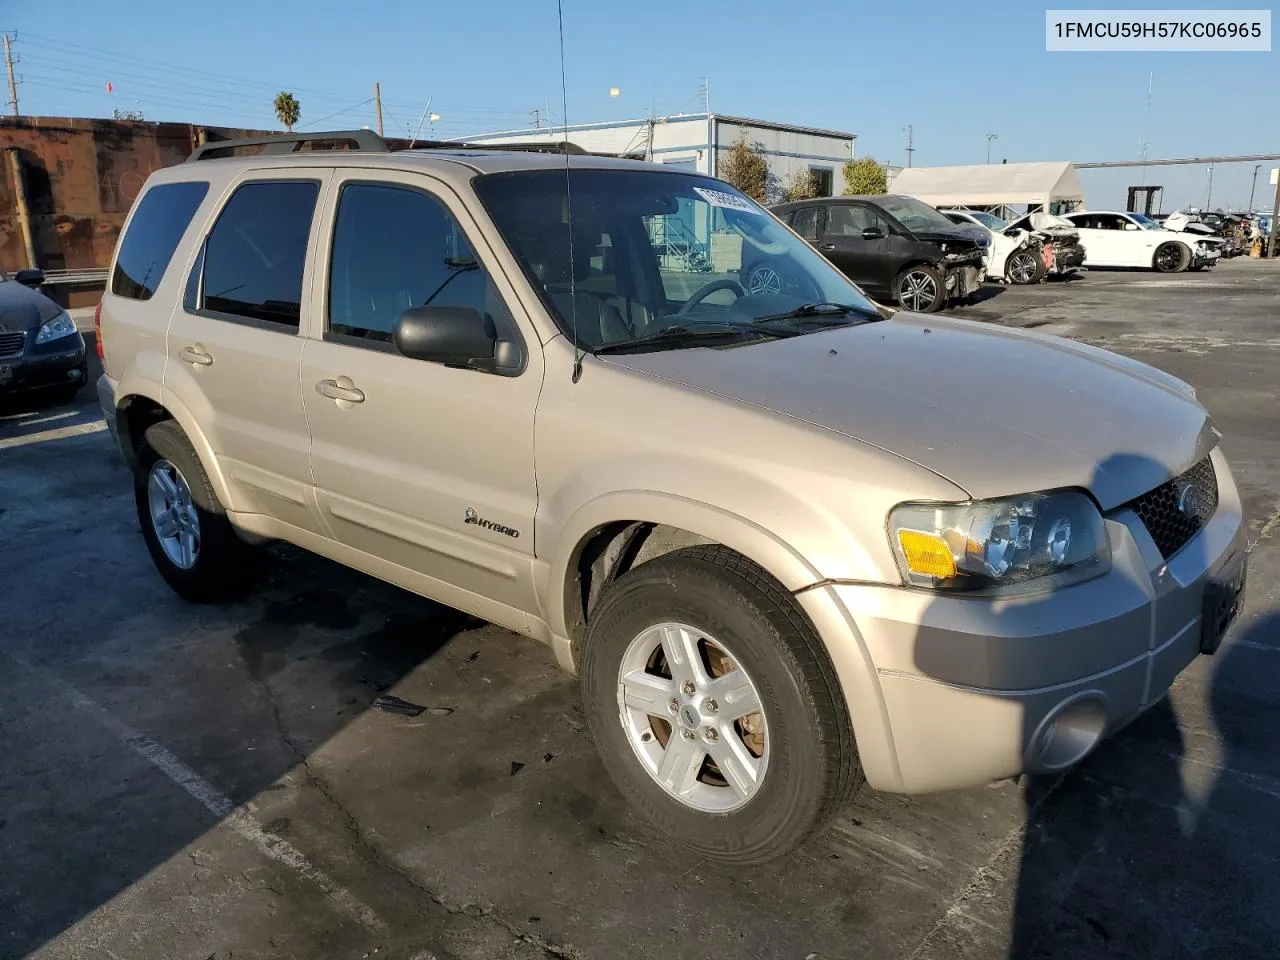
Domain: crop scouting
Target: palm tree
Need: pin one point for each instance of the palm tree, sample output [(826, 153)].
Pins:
[(288, 111)]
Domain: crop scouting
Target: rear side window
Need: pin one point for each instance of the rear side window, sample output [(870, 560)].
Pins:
[(162, 217), (255, 254), (806, 223)]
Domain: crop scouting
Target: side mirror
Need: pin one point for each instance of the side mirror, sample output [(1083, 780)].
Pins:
[(455, 337), (30, 278), (872, 233), (1130, 225)]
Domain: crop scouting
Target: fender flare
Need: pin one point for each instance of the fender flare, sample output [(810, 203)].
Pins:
[(738, 533), (182, 415)]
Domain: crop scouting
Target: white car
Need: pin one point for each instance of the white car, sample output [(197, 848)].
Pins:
[(1113, 239), (1011, 257)]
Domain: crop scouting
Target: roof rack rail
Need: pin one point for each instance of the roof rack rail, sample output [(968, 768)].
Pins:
[(277, 143), (558, 146)]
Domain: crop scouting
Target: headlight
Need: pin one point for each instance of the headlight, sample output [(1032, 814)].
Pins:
[(993, 546), (60, 326)]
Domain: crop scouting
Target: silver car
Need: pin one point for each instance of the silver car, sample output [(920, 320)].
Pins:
[(790, 545)]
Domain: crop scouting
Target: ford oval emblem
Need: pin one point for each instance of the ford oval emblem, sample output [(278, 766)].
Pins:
[(1188, 500)]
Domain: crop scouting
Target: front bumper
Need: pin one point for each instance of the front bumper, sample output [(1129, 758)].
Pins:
[(963, 278), (58, 364), (1066, 258), (976, 690)]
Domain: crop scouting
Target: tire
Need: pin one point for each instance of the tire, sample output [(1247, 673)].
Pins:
[(222, 566), (1024, 268), (807, 768), (1165, 260), (922, 277)]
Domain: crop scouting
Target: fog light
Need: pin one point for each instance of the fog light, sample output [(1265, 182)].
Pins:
[(1068, 733), (75, 374)]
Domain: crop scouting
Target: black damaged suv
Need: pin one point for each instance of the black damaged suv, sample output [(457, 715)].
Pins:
[(899, 249)]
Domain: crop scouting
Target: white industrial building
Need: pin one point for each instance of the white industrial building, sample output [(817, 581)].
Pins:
[(698, 141)]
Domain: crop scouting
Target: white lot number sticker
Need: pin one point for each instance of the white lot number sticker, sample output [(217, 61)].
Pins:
[(726, 200)]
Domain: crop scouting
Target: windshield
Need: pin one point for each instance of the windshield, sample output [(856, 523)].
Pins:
[(989, 220), (1146, 222), (650, 251), (914, 214)]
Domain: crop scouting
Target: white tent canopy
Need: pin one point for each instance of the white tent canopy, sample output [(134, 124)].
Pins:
[(989, 185)]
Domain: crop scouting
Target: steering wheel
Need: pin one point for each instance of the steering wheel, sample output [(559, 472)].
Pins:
[(706, 290)]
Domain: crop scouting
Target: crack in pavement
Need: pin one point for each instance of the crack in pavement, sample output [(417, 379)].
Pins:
[(374, 852), (1268, 525)]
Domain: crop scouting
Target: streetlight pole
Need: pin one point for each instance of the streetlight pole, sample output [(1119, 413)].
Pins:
[(990, 137), (1254, 185)]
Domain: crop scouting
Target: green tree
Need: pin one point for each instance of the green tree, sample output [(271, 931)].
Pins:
[(802, 186), (288, 110), (865, 175), (746, 168)]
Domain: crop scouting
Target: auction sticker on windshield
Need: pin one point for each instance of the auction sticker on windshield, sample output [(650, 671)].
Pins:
[(726, 200)]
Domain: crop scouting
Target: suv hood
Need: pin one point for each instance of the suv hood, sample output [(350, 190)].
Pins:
[(995, 411)]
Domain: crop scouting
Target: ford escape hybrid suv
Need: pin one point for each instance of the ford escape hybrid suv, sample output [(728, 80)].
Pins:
[(788, 545)]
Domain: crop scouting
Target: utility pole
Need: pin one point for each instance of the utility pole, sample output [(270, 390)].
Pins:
[(990, 137), (1275, 216), (1254, 185), (13, 83), (910, 143), (1208, 200), (536, 113), (377, 101)]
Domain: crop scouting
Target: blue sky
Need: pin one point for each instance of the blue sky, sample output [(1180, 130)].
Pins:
[(953, 71)]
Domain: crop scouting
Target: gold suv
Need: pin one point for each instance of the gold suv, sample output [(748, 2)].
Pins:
[(789, 544)]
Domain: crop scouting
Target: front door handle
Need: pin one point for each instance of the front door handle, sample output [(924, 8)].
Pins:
[(196, 355), (826, 246), (341, 389)]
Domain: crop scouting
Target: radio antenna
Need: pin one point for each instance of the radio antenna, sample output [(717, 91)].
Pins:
[(568, 205)]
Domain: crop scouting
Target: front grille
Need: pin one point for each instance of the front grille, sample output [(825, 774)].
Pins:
[(11, 344), (1178, 509)]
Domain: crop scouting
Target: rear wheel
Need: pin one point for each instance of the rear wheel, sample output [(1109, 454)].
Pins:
[(1024, 267), (188, 535), (1171, 257), (715, 709), (920, 289)]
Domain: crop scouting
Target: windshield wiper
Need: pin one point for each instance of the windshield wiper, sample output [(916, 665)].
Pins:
[(682, 335), (822, 313)]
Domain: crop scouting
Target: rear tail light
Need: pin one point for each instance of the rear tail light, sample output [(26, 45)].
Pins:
[(97, 332)]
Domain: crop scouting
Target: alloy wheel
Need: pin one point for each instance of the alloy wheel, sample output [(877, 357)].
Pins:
[(694, 718), (173, 514)]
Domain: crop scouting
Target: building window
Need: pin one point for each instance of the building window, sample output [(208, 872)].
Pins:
[(826, 180)]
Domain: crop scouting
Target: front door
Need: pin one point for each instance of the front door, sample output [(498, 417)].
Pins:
[(426, 466), (234, 348), (867, 261)]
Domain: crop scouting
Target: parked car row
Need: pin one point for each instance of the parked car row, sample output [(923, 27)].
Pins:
[(905, 252)]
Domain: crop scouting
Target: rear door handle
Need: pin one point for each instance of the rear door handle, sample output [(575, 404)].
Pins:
[(341, 389), (196, 355)]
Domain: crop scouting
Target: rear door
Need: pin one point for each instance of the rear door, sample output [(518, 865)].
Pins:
[(420, 467), (234, 349)]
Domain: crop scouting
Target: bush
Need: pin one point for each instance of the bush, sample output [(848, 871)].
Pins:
[(801, 186), (746, 168), (865, 175)]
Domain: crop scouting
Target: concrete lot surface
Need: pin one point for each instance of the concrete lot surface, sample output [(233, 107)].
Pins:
[(213, 782)]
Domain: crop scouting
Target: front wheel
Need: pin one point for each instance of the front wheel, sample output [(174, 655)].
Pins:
[(1171, 257), (920, 289), (1024, 267), (715, 709)]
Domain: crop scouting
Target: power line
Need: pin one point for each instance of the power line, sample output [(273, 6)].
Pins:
[(338, 113)]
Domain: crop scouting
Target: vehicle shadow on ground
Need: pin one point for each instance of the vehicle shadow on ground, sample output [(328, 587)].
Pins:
[(1137, 851), (242, 694)]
